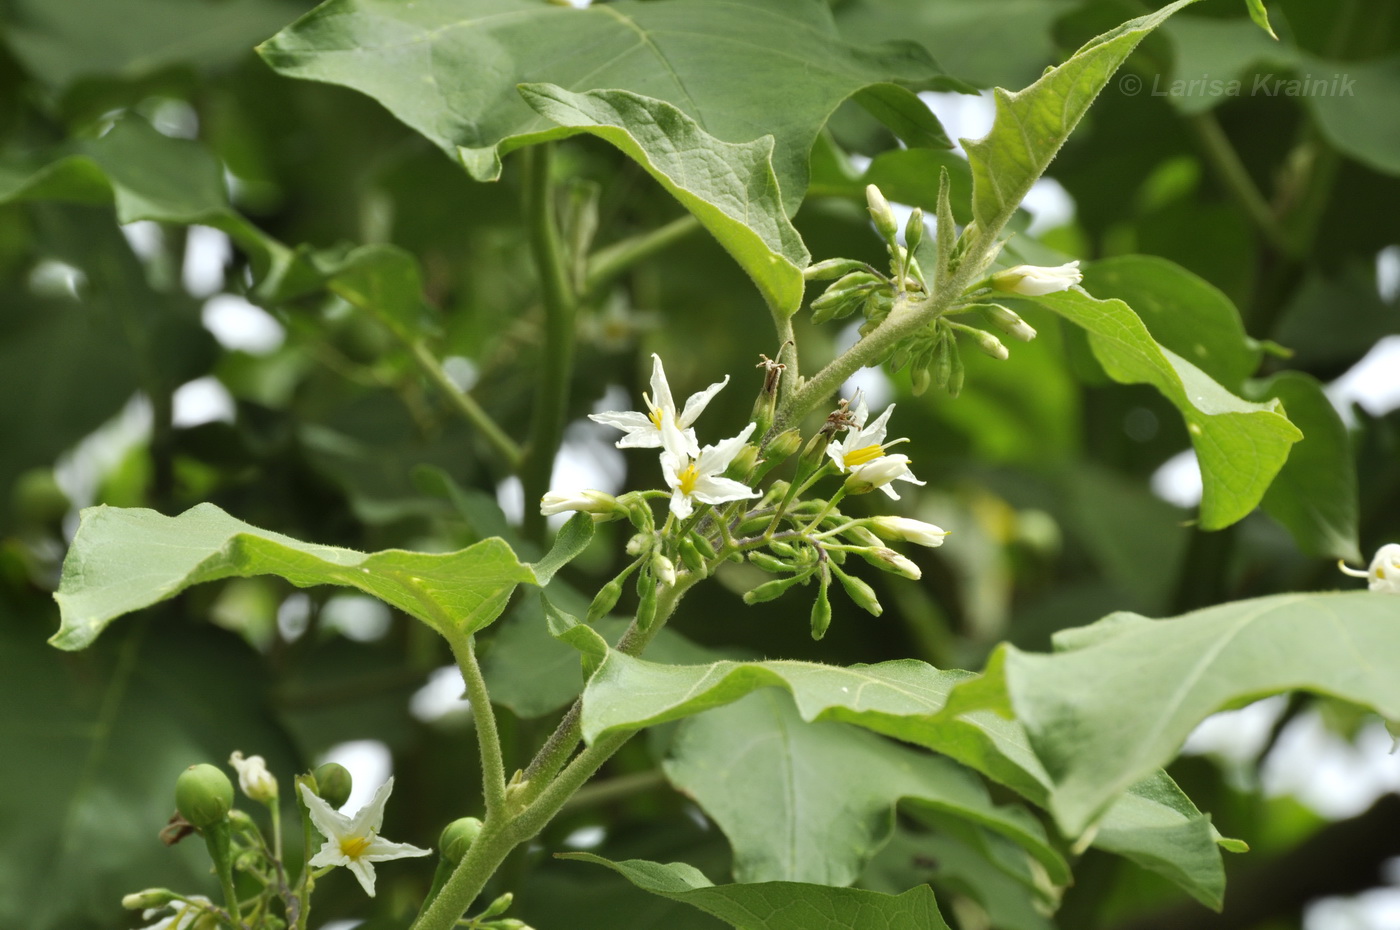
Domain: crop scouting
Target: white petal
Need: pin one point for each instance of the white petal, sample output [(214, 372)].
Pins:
[(711, 490), (381, 850), (329, 821), (660, 390), (628, 420), (370, 818), (329, 854), (696, 403), (365, 873), (681, 505), (715, 459)]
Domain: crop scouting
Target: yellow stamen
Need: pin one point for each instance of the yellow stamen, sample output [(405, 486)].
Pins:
[(354, 846), (655, 411), (861, 456), (687, 478)]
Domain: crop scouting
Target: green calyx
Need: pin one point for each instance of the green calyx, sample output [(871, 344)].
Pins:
[(203, 795)]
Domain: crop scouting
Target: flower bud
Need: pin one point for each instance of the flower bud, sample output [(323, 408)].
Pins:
[(881, 213), (782, 445), (333, 783), (988, 343), (663, 568), (742, 463), (203, 795), (891, 561), (151, 897), (457, 837), (594, 502), (509, 923), (1036, 280), (821, 613), (914, 230), (914, 531), (1008, 322), (771, 590), (254, 778), (861, 593), (690, 556), (832, 268), (768, 563), (497, 907)]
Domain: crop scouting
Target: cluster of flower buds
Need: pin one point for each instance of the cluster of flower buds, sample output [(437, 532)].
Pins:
[(932, 354), (778, 531)]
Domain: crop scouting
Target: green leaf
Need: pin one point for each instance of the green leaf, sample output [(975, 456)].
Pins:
[(573, 537), (730, 188), (1241, 446), (122, 560), (449, 68), (1120, 696), (386, 282), (1184, 313), (60, 42), (1260, 17), (1033, 123), (908, 117), (147, 176), (1354, 107), (812, 802), (779, 905), (1315, 494), (903, 699)]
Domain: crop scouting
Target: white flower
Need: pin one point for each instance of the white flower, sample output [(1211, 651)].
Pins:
[(187, 915), (354, 842), (254, 778), (697, 477), (914, 531), (862, 453), (644, 429), (582, 501), (663, 568), (1384, 573), (1036, 280)]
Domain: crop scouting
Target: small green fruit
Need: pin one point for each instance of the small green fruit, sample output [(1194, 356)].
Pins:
[(203, 795), (333, 783), (457, 837)]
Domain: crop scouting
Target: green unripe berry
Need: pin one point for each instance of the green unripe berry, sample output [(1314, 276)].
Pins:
[(457, 837), (333, 783), (203, 795)]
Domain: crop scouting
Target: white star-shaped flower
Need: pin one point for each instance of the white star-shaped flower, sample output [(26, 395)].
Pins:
[(354, 842), (697, 477), (862, 452), (644, 429)]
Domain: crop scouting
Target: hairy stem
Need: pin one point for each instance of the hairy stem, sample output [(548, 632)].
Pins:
[(493, 770)]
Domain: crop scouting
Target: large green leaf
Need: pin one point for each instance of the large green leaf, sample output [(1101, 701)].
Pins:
[(905, 699), (122, 560), (1241, 445), (729, 187), (1184, 313), (146, 176), (60, 42), (812, 802), (780, 905), (1033, 123), (741, 69), (1120, 696), (1315, 495)]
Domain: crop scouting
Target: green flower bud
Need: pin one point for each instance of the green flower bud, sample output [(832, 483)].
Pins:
[(151, 897), (203, 795), (1008, 321), (771, 590), (333, 783), (646, 601), (985, 341), (510, 923), (498, 906), (832, 268), (769, 564), (782, 445), (914, 231), (690, 556), (821, 614), (457, 837), (742, 463), (605, 600), (861, 593)]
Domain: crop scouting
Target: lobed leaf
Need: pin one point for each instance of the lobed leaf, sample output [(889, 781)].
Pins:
[(730, 188), (125, 559), (779, 905), (1241, 445), (1119, 697)]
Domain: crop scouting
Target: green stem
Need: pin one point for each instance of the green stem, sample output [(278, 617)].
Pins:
[(1226, 161), (609, 263), (560, 303), (493, 770), (467, 406)]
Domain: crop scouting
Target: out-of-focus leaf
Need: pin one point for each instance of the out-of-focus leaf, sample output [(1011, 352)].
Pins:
[(905, 114), (94, 757), (1260, 15), (1241, 445), (449, 68), (123, 560), (1183, 312), (61, 42), (1315, 494), (148, 176), (1119, 697), (731, 188), (908, 176), (1354, 104), (780, 905), (812, 802)]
